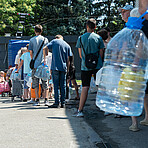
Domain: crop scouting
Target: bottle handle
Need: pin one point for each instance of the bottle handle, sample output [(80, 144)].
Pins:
[(146, 12)]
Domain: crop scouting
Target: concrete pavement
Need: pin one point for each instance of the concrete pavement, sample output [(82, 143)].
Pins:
[(114, 131), (25, 126)]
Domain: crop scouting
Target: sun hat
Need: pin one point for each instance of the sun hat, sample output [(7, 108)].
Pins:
[(126, 7)]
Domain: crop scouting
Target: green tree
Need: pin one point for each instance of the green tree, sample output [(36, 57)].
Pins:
[(108, 14), (64, 17), (9, 19)]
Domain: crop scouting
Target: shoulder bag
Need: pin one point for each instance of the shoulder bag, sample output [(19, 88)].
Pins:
[(33, 60), (91, 59)]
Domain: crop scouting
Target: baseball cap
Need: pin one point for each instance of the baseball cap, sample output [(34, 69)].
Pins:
[(126, 7)]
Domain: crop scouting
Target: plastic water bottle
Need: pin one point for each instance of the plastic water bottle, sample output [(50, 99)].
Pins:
[(93, 87), (45, 73), (28, 76), (17, 75), (122, 85)]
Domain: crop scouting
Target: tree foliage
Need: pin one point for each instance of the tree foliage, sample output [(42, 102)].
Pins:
[(66, 17), (9, 19)]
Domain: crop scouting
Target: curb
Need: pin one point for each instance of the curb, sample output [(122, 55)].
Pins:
[(95, 140)]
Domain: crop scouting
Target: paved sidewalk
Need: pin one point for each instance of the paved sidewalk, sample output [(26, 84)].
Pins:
[(114, 131), (25, 126)]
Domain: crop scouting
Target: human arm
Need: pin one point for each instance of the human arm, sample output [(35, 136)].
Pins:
[(68, 64), (20, 65), (78, 45), (143, 6), (45, 50), (101, 53), (79, 50), (31, 54)]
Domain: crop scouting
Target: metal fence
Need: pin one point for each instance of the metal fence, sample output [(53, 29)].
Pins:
[(4, 41)]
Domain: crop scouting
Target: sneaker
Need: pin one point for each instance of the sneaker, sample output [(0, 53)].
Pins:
[(31, 102), (144, 122), (62, 105), (54, 106), (24, 100), (37, 103), (134, 128), (78, 114), (46, 103)]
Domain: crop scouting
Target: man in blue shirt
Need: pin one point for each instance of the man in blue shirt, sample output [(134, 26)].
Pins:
[(92, 43), (60, 57)]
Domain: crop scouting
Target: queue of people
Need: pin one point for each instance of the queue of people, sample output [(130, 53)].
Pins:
[(61, 65)]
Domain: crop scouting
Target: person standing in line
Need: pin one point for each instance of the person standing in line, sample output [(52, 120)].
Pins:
[(136, 12), (109, 37), (71, 77), (25, 59), (34, 45), (59, 66), (143, 6), (93, 43), (125, 12), (104, 34)]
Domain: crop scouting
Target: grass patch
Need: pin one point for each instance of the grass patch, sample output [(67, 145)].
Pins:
[(79, 82)]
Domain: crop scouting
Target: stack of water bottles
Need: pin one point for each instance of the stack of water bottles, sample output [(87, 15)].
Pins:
[(122, 84), (42, 72)]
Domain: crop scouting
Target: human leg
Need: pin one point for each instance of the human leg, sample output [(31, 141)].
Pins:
[(50, 91), (45, 92), (134, 126), (146, 106), (86, 77), (145, 121), (67, 87), (83, 98), (25, 89), (62, 86), (55, 76), (76, 87), (35, 85)]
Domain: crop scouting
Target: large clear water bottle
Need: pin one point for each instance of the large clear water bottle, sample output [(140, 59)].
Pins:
[(122, 85), (45, 73)]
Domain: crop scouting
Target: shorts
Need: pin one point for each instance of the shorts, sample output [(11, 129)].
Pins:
[(86, 76), (35, 81), (25, 82), (146, 90)]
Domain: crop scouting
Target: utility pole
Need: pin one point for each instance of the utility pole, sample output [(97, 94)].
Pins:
[(20, 28)]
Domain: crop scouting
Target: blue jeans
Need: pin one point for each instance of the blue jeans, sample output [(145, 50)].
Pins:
[(59, 79)]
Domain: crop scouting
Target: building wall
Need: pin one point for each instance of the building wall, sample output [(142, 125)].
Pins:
[(4, 41)]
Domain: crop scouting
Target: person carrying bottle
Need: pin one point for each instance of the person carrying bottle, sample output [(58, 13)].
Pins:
[(34, 45), (135, 13)]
